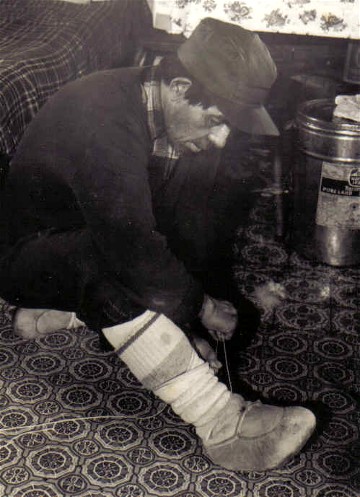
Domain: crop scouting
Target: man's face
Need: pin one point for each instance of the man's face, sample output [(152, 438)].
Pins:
[(191, 128)]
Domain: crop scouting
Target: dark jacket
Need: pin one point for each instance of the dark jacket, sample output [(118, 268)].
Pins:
[(84, 162)]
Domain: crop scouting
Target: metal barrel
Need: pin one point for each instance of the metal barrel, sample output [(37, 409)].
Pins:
[(326, 186)]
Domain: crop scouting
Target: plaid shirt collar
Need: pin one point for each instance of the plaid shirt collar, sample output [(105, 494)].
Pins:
[(152, 101)]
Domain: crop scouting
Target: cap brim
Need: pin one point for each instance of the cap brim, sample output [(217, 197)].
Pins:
[(252, 119)]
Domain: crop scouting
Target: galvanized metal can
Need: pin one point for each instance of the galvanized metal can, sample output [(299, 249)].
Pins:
[(326, 186)]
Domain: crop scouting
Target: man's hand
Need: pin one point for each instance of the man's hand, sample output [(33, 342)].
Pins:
[(219, 317), (206, 352)]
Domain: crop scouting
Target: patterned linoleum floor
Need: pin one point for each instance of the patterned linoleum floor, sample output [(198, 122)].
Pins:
[(75, 423)]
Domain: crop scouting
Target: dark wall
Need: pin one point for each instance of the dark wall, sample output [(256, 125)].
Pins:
[(309, 67)]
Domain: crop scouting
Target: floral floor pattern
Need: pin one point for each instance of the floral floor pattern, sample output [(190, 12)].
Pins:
[(75, 423)]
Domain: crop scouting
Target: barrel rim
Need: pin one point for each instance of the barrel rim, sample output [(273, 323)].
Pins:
[(338, 160), (305, 119)]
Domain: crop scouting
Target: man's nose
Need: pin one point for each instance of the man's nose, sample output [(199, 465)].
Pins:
[(219, 134)]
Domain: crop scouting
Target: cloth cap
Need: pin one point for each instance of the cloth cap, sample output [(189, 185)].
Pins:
[(237, 71)]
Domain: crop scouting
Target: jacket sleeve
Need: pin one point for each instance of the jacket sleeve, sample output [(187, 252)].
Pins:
[(113, 191)]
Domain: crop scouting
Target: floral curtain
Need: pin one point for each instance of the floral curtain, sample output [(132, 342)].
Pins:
[(334, 18)]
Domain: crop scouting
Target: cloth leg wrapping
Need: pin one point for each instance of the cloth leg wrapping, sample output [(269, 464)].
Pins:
[(159, 354), (236, 434)]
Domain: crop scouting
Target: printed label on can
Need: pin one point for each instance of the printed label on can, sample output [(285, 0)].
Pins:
[(339, 196)]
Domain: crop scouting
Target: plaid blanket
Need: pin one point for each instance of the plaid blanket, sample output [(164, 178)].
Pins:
[(44, 44)]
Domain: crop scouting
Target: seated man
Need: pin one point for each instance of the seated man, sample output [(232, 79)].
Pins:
[(80, 234)]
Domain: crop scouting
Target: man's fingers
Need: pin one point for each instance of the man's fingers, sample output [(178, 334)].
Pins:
[(215, 365), (221, 335), (214, 334), (220, 318), (226, 335), (233, 311), (205, 350), (227, 307)]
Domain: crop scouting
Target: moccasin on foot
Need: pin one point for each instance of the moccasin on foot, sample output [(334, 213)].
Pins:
[(33, 323), (256, 436)]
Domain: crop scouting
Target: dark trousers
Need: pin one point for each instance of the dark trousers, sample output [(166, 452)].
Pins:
[(65, 271), (62, 270)]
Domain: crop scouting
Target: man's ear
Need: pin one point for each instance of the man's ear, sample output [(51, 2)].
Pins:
[(179, 86)]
